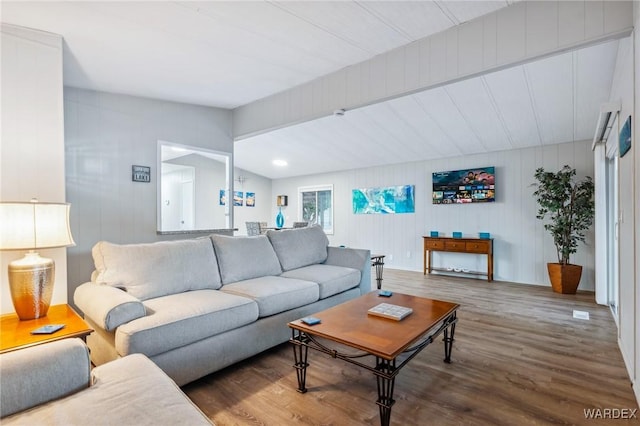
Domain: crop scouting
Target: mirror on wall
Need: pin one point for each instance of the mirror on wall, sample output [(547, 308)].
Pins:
[(192, 184)]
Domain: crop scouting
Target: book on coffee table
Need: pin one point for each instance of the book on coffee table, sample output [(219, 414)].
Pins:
[(387, 310)]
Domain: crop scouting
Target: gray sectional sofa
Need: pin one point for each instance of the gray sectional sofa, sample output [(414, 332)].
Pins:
[(53, 384), (196, 306)]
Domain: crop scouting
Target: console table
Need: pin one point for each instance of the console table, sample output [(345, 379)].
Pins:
[(458, 245)]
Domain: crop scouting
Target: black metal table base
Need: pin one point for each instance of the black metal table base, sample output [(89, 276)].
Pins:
[(377, 261), (385, 370)]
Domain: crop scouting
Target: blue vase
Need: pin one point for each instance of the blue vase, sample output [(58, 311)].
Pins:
[(279, 218)]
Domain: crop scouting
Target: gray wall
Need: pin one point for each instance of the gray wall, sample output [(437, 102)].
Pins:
[(105, 134), (521, 245)]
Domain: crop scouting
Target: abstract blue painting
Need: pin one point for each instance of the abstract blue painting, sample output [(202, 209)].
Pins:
[(388, 200)]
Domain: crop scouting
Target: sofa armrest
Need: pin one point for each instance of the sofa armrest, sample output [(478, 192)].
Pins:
[(359, 259), (42, 373), (107, 306)]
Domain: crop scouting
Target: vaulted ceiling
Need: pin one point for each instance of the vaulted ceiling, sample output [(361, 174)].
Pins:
[(230, 53), (554, 100)]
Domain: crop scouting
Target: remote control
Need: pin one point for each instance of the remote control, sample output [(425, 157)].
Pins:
[(48, 329), (310, 320), (384, 293)]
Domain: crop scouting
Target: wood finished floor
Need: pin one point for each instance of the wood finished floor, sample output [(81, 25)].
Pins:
[(519, 358)]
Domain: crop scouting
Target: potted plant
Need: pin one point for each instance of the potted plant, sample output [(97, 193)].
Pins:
[(569, 206)]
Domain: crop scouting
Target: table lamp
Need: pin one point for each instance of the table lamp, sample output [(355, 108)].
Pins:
[(30, 226)]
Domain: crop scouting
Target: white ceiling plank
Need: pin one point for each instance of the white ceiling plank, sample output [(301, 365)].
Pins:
[(509, 90), (347, 21), (595, 68), (465, 11), (431, 141), (551, 82), (413, 19), (473, 102), (443, 111)]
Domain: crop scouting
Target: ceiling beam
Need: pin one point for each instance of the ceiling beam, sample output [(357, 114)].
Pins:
[(518, 34)]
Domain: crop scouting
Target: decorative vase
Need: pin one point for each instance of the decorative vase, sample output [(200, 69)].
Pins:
[(564, 278), (279, 219)]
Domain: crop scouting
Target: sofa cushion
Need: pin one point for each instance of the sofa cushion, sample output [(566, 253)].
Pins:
[(275, 294), (127, 391), (243, 258), (157, 269), (331, 279), (180, 319), (299, 247)]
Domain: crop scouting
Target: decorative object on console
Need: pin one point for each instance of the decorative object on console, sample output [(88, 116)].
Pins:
[(457, 234), (484, 235), (570, 208), (30, 226), (434, 233)]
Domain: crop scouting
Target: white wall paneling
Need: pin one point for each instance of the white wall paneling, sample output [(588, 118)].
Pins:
[(105, 135), (622, 91), (32, 142), (522, 246)]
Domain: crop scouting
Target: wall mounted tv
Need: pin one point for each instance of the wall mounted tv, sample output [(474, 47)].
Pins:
[(464, 186)]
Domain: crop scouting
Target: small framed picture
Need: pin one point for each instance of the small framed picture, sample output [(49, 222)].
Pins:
[(140, 174)]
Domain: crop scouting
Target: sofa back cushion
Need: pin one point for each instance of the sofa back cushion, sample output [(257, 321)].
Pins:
[(244, 258), (299, 247), (157, 269)]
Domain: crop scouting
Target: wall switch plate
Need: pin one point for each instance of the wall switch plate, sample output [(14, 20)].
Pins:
[(581, 315)]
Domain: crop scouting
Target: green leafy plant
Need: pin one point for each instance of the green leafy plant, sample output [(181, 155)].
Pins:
[(569, 206)]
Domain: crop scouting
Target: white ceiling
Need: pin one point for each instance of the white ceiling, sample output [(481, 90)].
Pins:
[(227, 54), (554, 100)]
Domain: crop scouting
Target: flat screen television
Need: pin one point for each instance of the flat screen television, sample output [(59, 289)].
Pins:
[(464, 186)]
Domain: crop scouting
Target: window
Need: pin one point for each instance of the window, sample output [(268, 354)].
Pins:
[(316, 205)]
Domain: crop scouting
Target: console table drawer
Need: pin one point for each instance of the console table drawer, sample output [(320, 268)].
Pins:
[(434, 244), (454, 245), (477, 247)]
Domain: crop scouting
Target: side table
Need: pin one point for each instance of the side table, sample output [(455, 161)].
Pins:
[(16, 334)]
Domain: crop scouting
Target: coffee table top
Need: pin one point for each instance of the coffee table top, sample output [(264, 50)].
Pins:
[(349, 323)]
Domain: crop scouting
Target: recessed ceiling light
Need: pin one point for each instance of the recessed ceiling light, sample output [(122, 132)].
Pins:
[(279, 163)]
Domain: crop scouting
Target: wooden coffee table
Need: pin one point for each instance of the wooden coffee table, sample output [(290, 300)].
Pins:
[(390, 344)]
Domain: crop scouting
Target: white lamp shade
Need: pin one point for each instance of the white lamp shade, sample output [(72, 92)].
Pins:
[(33, 225)]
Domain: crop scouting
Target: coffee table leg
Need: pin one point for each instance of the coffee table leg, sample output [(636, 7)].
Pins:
[(448, 341), (379, 265), (300, 352), (386, 381)]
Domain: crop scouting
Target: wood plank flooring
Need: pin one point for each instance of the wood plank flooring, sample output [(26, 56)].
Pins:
[(519, 358)]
